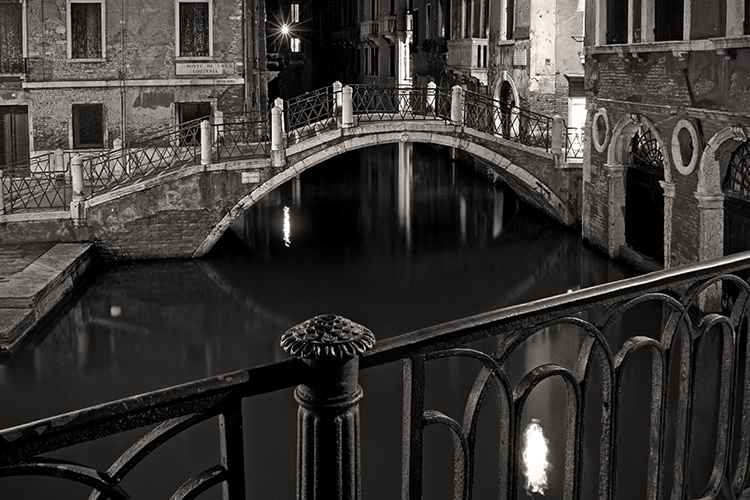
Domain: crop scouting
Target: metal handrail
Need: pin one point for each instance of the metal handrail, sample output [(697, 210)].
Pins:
[(313, 112), (36, 183), (574, 140), (400, 102), (678, 290)]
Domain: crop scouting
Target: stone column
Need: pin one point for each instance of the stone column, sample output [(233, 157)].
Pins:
[(669, 194), (616, 202), (557, 139), (328, 465), (219, 130), (205, 143), (347, 112), (58, 161), (431, 93), (278, 152), (457, 105), (337, 93), (710, 243), (117, 159), (2, 194), (76, 178)]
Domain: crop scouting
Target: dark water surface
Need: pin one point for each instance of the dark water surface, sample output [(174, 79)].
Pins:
[(395, 238)]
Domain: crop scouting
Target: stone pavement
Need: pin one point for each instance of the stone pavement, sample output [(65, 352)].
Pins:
[(34, 279)]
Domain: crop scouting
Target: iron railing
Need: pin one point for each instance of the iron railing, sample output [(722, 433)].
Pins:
[(483, 113), (675, 349), (311, 113), (574, 144), (180, 146), (381, 102), (36, 183), (242, 135)]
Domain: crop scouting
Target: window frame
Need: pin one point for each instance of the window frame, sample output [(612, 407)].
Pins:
[(177, 54), (69, 26), (74, 135)]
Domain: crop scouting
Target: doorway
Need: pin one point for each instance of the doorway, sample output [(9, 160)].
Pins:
[(14, 134), (189, 112)]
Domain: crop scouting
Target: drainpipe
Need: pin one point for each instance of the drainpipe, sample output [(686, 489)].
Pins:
[(2, 194), (123, 123)]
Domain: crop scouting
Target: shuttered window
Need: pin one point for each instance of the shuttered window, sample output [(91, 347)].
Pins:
[(88, 126), (194, 33), (86, 30)]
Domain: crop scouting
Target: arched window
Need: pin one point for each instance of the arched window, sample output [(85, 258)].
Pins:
[(736, 187), (646, 152), (737, 178)]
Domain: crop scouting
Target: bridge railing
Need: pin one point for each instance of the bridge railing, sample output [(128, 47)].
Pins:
[(313, 112), (242, 135), (328, 349), (574, 144), (41, 182), (400, 102), (178, 146), (484, 113)]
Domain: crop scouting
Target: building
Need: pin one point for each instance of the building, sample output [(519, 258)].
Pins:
[(666, 159), (78, 74)]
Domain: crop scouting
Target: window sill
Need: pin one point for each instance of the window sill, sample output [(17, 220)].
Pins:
[(679, 47), (194, 58), (87, 60)]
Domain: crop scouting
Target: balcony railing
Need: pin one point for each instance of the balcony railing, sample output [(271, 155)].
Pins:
[(370, 27), (15, 66), (387, 24), (680, 351)]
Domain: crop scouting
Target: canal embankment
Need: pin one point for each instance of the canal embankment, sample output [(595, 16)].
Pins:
[(35, 278)]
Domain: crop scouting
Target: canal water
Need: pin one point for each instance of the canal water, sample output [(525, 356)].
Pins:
[(396, 238)]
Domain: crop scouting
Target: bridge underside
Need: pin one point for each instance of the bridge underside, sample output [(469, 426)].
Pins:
[(541, 183)]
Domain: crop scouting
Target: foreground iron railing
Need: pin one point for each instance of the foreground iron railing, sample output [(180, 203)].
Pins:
[(311, 113), (324, 367), (381, 102), (482, 112), (41, 182), (180, 146)]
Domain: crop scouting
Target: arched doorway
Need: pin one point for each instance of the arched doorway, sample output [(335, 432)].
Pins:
[(644, 197), (736, 187), (507, 104)]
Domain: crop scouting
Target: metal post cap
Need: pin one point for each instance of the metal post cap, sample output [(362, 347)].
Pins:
[(327, 336)]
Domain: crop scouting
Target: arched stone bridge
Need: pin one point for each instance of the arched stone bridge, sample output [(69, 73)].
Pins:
[(183, 212)]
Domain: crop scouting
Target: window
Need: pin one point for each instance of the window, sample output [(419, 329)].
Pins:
[(294, 13), (295, 44), (86, 36), (194, 29), (11, 38), (88, 126), (392, 61), (428, 22)]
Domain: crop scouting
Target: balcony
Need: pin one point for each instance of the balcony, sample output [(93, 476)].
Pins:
[(370, 29), (468, 56), (388, 27), (346, 35)]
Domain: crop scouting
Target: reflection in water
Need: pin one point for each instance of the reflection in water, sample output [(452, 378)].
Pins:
[(395, 238), (535, 453)]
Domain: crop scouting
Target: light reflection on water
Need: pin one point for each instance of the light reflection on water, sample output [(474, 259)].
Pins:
[(395, 239)]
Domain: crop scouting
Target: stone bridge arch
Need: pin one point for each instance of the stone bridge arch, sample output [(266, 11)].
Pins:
[(501, 155)]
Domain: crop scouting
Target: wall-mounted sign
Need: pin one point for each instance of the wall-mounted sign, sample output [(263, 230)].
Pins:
[(199, 68)]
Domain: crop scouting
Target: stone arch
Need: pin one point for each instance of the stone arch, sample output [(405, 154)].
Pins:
[(617, 161), (300, 161), (709, 193)]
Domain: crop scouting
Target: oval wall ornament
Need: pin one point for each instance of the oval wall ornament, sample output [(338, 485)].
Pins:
[(687, 145), (600, 130)]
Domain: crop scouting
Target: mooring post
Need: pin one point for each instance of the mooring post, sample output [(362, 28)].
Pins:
[(205, 143), (278, 152), (431, 93), (76, 180), (347, 113), (328, 416), (456, 105)]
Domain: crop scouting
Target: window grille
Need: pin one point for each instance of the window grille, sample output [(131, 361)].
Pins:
[(646, 153), (194, 19), (88, 126), (737, 180), (86, 30)]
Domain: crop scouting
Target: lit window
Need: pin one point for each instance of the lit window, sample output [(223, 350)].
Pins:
[(295, 13), (194, 29), (295, 44), (88, 126), (86, 29)]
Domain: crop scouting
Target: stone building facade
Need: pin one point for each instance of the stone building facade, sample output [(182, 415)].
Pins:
[(667, 153), (78, 74)]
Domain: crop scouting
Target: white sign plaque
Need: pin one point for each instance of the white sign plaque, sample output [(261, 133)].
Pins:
[(200, 68)]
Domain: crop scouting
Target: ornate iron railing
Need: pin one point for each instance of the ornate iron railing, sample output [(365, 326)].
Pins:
[(574, 144), (311, 113), (180, 146), (381, 102), (328, 348), (482, 112), (242, 135), (37, 183)]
